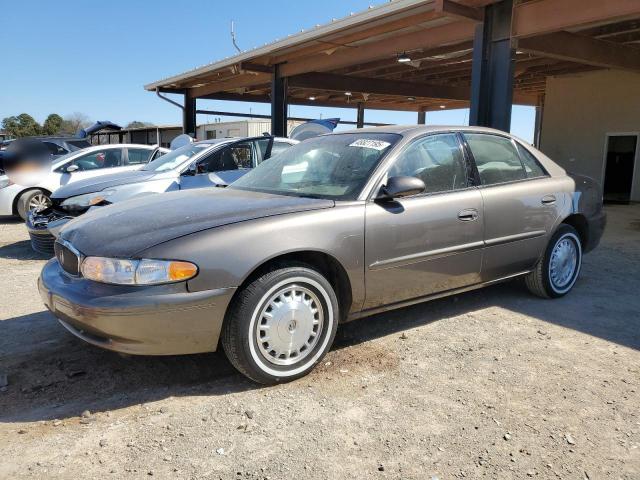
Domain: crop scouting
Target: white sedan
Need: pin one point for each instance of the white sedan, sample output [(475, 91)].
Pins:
[(90, 162)]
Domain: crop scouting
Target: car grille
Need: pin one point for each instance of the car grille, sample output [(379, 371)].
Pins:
[(68, 257)]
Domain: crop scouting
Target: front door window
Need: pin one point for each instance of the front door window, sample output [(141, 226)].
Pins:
[(437, 160)]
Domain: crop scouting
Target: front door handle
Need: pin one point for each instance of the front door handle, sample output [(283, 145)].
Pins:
[(468, 215), (548, 200)]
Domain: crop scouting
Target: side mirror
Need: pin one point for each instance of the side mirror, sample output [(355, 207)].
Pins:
[(71, 168), (398, 187)]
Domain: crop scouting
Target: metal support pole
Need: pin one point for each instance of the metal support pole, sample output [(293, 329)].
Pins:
[(360, 115), (278, 103), (492, 69), (537, 129), (422, 118), (189, 114)]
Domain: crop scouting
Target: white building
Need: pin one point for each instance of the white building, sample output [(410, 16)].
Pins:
[(207, 131)]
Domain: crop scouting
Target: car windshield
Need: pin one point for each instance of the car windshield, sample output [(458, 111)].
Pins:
[(175, 158), (332, 166)]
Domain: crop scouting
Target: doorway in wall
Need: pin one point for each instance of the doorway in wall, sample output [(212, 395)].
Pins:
[(621, 151)]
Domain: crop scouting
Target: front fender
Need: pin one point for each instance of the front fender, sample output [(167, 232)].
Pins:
[(227, 255)]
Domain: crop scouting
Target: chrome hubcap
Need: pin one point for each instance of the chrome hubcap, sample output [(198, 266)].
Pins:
[(564, 259), (289, 325), (39, 202)]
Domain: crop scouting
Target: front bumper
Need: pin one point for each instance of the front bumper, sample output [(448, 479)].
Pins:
[(43, 228), (150, 320)]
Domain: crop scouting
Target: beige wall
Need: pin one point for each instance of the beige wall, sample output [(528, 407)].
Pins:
[(241, 128), (580, 110)]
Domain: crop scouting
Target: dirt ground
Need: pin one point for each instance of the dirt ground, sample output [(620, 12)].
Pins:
[(490, 384)]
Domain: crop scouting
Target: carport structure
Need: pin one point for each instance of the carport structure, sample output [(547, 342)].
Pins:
[(424, 55)]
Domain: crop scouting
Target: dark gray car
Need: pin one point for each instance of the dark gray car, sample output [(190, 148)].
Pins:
[(338, 227)]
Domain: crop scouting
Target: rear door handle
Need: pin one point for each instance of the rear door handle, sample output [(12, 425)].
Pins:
[(468, 215), (548, 200)]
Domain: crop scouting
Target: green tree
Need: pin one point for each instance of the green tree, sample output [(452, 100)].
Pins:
[(24, 125), (52, 125), (138, 124)]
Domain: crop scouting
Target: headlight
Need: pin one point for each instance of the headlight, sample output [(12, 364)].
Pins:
[(87, 200), (5, 182), (136, 272)]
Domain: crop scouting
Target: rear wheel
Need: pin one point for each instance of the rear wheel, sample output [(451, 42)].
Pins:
[(32, 200), (557, 272), (281, 325)]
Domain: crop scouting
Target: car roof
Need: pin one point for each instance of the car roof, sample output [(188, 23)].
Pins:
[(115, 145), (410, 130), (96, 148), (215, 141)]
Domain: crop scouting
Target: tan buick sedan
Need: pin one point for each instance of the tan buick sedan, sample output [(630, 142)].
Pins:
[(336, 228)]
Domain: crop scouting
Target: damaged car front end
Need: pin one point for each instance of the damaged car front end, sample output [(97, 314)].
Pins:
[(44, 225), (211, 163)]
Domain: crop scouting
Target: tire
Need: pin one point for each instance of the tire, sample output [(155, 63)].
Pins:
[(28, 200), (554, 276), (274, 313)]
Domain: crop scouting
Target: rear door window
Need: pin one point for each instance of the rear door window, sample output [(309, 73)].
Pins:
[(138, 156), (496, 158), (107, 158), (232, 157), (262, 149), (279, 147), (532, 167)]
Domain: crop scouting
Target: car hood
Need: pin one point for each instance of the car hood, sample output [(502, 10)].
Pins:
[(125, 229), (97, 184)]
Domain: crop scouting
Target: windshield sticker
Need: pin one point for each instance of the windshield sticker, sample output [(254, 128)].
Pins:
[(368, 143)]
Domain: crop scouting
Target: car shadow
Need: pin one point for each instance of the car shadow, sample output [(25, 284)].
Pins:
[(10, 219), (54, 375), (21, 251)]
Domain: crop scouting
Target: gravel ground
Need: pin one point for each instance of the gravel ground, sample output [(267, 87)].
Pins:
[(494, 384)]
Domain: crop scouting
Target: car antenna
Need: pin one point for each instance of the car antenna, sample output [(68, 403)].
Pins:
[(233, 37)]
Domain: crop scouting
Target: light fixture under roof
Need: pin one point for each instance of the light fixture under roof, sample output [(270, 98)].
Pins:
[(312, 98), (443, 106), (411, 99), (404, 58), (348, 94)]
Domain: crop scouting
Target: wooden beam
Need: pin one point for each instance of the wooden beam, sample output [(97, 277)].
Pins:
[(376, 105), (255, 67), (581, 49), (421, 56), (458, 11), (239, 81), (546, 16), (333, 41), (450, 33), (344, 83)]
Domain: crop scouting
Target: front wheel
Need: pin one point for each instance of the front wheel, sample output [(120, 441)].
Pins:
[(558, 270), (32, 200), (281, 325)]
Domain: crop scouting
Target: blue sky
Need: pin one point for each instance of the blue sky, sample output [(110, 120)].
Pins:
[(74, 56)]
